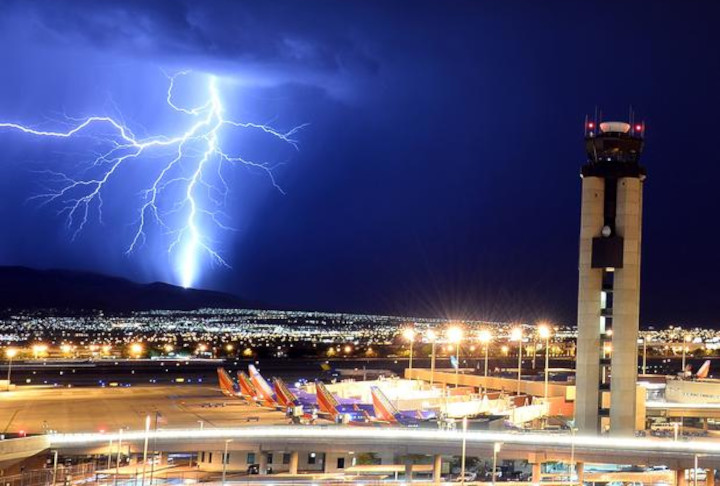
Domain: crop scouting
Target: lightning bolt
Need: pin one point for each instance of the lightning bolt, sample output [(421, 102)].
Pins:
[(194, 162)]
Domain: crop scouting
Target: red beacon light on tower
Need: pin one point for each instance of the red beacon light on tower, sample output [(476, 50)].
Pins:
[(589, 127)]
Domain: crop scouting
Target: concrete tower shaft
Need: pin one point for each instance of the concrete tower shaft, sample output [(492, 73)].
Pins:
[(609, 278), (590, 327)]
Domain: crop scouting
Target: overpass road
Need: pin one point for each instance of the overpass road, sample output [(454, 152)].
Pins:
[(535, 448)]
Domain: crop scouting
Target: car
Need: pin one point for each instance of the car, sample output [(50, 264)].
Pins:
[(467, 477), (255, 469)]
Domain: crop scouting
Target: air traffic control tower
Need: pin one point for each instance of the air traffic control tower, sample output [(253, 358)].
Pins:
[(609, 286)]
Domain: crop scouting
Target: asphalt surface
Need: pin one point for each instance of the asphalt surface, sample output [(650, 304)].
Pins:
[(34, 410)]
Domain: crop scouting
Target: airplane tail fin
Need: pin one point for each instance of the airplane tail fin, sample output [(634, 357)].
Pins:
[(284, 396), (247, 389), (264, 391), (262, 386), (704, 370), (326, 401), (383, 408), (226, 383)]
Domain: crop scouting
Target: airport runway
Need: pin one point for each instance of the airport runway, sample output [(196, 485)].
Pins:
[(35, 410)]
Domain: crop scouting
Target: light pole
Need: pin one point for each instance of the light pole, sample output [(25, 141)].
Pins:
[(409, 334), (154, 456), (10, 353), (572, 453), (432, 336), (517, 335), (225, 460), (464, 444), (109, 461), (145, 448), (117, 459), (496, 448), (55, 460), (644, 366), (544, 332), (455, 334), (687, 339), (485, 338)]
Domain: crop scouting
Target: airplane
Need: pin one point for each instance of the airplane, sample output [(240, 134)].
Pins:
[(353, 413), (279, 396), (255, 389), (244, 389), (227, 386), (284, 395), (324, 404), (292, 397), (247, 389), (704, 370), (265, 394), (385, 410)]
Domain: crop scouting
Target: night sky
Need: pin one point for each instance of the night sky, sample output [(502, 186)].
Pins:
[(439, 173)]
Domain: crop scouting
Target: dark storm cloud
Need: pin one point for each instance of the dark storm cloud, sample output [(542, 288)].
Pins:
[(258, 37)]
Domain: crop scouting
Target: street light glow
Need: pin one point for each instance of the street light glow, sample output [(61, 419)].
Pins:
[(455, 334), (544, 331), (11, 353), (485, 336), (516, 334), (136, 349), (409, 334), (40, 348)]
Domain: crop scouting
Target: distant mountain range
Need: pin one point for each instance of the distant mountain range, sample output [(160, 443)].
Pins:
[(27, 288)]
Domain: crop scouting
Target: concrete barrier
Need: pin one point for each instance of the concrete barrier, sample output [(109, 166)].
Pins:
[(15, 450)]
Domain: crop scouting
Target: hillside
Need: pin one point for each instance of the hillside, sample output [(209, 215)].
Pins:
[(27, 288)]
